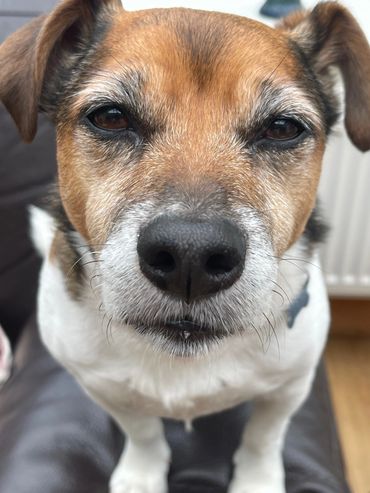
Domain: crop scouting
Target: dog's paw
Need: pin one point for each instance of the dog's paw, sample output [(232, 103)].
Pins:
[(130, 483), (256, 474)]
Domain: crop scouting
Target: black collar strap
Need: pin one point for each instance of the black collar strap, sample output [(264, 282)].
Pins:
[(299, 302)]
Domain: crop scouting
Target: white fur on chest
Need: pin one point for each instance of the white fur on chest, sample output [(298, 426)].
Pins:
[(119, 368)]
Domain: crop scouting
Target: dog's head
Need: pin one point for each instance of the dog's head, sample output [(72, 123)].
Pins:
[(189, 147)]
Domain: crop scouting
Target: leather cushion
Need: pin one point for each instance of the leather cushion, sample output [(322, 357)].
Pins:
[(25, 173)]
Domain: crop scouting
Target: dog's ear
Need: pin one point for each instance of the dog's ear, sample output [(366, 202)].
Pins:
[(27, 57), (330, 36)]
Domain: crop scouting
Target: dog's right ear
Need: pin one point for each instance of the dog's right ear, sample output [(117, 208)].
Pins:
[(27, 57)]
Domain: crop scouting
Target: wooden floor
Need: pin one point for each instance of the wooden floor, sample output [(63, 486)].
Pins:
[(348, 365)]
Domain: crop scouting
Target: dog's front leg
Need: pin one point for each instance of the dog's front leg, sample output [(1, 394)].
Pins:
[(144, 463), (258, 461)]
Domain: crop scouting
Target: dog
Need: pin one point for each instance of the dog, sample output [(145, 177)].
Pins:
[(180, 272)]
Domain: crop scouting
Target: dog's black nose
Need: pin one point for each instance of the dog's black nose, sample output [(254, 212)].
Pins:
[(191, 258)]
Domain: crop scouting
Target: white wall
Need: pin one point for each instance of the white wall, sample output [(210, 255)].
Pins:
[(359, 8)]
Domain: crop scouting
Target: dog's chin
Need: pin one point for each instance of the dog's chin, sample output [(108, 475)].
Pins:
[(180, 337)]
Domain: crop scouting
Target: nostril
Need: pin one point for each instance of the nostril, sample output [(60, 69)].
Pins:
[(162, 261), (191, 258), (219, 264)]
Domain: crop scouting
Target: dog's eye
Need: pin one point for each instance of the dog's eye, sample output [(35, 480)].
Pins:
[(283, 129), (109, 118)]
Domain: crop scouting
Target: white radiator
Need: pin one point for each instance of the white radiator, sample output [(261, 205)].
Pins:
[(345, 197)]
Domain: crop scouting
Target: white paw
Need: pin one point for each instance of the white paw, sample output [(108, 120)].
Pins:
[(256, 474), (146, 483)]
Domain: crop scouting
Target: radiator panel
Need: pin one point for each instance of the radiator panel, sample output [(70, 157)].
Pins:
[(345, 198)]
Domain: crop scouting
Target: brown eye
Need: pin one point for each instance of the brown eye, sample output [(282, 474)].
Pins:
[(109, 118), (283, 129)]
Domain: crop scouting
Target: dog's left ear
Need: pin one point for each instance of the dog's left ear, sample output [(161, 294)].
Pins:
[(330, 36), (33, 56)]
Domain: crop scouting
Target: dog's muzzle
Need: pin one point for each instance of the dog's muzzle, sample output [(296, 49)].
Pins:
[(191, 258)]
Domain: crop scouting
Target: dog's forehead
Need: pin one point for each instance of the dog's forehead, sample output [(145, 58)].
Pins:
[(205, 49)]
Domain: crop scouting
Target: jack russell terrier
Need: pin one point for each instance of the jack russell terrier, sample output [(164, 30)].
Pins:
[(181, 272)]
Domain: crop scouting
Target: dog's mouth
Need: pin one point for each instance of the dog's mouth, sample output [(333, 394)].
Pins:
[(181, 336)]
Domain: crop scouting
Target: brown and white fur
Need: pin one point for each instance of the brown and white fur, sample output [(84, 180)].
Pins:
[(204, 95)]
